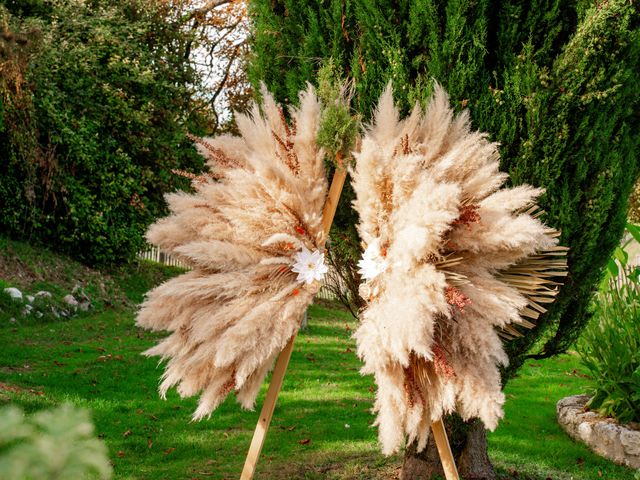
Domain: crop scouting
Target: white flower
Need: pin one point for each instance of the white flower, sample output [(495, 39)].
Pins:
[(372, 263), (309, 265)]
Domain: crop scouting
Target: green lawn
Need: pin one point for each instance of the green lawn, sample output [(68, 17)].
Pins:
[(321, 427)]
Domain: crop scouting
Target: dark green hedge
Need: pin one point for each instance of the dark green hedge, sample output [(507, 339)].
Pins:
[(96, 101), (555, 82)]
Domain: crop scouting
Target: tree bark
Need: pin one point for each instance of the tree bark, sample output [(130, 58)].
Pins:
[(469, 445), (421, 465)]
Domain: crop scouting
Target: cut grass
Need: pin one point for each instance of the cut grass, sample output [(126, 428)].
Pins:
[(321, 427)]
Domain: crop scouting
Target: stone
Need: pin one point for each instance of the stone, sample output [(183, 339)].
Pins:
[(30, 298), (43, 294), (630, 442), (85, 306), (27, 310), (14, 293), (78, 292), (604, 436), (70, 300)]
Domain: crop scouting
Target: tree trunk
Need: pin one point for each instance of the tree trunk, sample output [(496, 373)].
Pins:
[(469, 445)]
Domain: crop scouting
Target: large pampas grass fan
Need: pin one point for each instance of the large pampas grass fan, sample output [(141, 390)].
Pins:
[(259, 207), (453, 262)]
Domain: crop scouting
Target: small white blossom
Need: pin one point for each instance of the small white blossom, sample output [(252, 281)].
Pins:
[(309, 265), (372, 263)]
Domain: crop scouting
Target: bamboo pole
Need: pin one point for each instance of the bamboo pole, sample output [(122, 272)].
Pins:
[(262, 427), (444, 450)]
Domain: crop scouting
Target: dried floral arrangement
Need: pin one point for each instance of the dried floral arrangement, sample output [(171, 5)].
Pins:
[(453, 262), (252, 235)]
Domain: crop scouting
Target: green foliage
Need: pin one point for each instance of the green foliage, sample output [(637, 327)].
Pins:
[(51, 444), (96, 101), (339, 127), (554, 82), (610, 347)]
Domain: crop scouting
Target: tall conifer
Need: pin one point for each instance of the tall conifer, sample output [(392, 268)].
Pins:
[(555, 82)]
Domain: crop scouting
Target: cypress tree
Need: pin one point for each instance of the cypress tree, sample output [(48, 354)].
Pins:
[(555, 82)]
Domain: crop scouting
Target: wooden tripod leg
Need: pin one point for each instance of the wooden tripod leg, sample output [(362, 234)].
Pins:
[(266, 413), (280, 369), (444, 450)]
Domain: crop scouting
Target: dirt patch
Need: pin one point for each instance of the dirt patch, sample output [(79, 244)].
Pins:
[(5, 387), (348, 466), (22, 268)]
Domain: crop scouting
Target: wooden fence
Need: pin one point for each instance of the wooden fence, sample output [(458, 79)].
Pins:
[(154, 254)]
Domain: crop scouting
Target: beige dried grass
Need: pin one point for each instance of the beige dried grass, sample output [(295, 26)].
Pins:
[(467, 260), (261, 202)]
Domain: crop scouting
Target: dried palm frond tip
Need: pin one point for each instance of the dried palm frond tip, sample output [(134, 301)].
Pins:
[(232, 314), (452, 263)]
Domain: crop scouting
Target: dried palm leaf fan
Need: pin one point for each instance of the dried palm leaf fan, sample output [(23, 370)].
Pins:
[(252, 235), (452, 263)]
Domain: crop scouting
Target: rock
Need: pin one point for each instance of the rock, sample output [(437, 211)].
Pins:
[(604, 436), (630, 442), (85, 306), (27, 310), (30, 298), (38, 314), (78, 292), (12, 320), (14, 293), (70, 300), (43, 294)]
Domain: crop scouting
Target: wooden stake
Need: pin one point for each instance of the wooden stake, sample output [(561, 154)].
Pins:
[(266, 413), (444, 450), (260, 433)]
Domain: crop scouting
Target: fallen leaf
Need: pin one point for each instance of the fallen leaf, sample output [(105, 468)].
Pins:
[(149, 442), (127, 433), (305, 441), (169, 450), (120, 454)]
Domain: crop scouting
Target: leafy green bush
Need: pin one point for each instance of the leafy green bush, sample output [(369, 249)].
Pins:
[(97, 98), (51, 444), (610, 345)]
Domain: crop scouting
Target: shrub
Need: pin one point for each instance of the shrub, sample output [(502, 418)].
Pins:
[(97, 98), (51, 444), (610, 344)]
